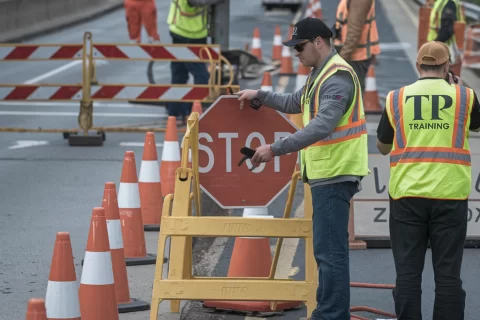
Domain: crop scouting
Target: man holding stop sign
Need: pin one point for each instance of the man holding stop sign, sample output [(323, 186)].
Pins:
[(333, 150)]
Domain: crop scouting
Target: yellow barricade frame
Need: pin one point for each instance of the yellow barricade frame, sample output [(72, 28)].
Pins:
[(178, 223)]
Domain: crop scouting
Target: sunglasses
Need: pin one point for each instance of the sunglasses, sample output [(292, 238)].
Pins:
[(299, 47)]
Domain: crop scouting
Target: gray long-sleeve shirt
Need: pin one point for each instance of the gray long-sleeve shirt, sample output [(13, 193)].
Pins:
[(336, 95)]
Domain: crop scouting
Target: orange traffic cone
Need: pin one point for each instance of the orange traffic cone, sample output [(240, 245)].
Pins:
[(267, 82), (170, 157), (62, 300), (277, 45), (36, 310), (302, 76), (370, 95), (97, 288), (317, 9), (286, 67), (131, 214), (251, 257), (256, 44), (150, 186), (114, 228), (197, 107)]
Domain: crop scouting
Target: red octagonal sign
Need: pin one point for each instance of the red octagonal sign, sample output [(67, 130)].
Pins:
[(223, 130)]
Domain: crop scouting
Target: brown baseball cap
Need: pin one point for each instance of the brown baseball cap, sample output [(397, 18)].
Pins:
[(433, 53)]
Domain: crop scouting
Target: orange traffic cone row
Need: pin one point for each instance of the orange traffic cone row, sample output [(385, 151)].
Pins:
[(97, 288), (277, 45), (267, 82), (371, 103), (150, 186), (256, 44), (36, 310), (131, 214), (114, 228), (170, 157), (62, 300), (251, 257)]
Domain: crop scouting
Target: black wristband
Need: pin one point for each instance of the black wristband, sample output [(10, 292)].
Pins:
[(255, 103)]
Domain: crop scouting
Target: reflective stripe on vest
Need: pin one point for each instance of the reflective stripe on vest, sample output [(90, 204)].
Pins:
[(355, 127), (454, 154)]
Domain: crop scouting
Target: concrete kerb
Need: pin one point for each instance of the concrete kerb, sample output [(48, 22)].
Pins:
[(61, 22)]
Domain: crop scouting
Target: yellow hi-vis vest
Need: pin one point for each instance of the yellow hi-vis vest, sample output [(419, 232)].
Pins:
[(430, 157), (187, 21), (436, 19), (344, 151)]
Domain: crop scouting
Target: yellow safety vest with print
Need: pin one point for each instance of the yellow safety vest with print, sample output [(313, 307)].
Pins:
[(436, 20), (368, 44), (187, 21), (430, 156), (345, 151)]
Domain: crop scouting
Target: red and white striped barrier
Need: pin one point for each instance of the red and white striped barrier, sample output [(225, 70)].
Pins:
[(15, 52), (157, 52), (104, 92), (41, 52)]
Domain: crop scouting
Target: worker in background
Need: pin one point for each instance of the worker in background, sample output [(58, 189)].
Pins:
[(138, 13), (425, 128), (187, 21), (443, 16), (334, 154), (356, 33)]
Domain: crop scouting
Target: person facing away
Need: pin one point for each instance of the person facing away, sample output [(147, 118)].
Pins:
[(333, 152), (357, 38), (443, 16), (425, 129), (187, 20)]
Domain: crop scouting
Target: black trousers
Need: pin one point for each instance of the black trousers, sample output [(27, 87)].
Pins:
[(413, 222)]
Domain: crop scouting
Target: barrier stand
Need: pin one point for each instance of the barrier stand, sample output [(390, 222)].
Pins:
[(90, 90), (178, 224)]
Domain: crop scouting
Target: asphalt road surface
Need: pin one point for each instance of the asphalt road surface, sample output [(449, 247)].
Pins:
[(50, 187)]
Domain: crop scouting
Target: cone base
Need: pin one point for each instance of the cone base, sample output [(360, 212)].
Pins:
[(133, 306), (148, 259), (251, 306), (151, 227)]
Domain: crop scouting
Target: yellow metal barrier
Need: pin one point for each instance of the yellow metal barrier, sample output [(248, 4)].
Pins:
[(179, 224), (91, 90)]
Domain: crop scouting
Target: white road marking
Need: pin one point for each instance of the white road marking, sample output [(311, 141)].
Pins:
[(137, 144), (60, 70), (75, 114), (27, 143), (392, 46), (288, 250)]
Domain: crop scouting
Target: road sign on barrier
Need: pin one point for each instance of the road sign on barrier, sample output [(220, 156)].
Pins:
[(371, 206), (224, 129)]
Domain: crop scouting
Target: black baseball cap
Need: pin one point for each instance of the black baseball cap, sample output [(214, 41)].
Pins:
[(306, 29)]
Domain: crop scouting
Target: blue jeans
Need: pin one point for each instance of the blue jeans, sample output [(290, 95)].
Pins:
[(331, 207), (179, 73)]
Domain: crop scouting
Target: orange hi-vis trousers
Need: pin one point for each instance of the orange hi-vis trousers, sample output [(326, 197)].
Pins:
[(138, 13)]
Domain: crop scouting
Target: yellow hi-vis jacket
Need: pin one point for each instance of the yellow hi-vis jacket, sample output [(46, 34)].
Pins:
[(186, 21), (345, 151), (430, 157)]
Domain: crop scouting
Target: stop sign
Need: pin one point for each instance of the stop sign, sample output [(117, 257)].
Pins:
[(223, 130)]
